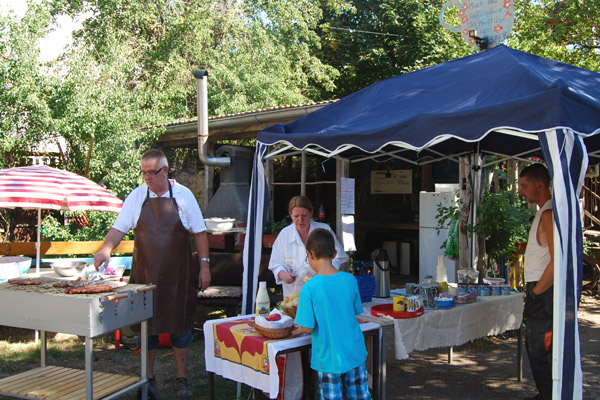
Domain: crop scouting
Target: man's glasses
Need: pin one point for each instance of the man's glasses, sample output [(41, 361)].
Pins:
[(150, 174)]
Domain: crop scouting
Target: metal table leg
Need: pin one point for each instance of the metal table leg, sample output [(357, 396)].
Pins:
[(211, 386), (376, 354), (383, 368), (520, 354), (144, 361), (89, 368), (43, 348)]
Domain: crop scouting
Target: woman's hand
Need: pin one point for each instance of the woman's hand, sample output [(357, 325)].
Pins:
[(286, 277)]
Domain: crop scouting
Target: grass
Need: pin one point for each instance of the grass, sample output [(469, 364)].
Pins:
[(18, 353)]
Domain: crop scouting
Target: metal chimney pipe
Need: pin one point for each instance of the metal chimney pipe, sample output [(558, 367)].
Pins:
[(203, 149)]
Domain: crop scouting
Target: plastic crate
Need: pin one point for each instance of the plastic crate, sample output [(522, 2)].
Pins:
[(366, 287)]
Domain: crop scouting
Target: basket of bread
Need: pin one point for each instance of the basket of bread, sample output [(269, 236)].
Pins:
[(276, 325), (289, 304)]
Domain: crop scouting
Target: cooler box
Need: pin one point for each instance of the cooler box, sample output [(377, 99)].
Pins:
[(366, 287)]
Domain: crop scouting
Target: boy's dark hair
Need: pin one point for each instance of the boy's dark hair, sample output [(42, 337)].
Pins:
[(321, 244), (536, 173)]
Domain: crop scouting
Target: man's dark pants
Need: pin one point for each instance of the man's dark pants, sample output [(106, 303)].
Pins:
[(538, 337)]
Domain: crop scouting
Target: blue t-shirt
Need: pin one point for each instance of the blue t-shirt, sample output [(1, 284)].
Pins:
[(329, 305)]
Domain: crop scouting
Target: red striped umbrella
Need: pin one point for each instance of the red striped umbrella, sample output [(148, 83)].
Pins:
[(41, 187)]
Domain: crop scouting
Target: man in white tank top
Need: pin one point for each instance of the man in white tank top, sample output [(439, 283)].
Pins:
[(534, 186)]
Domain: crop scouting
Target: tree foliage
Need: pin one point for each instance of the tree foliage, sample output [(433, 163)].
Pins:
[(565, 30), (23, 111), (370, 40)]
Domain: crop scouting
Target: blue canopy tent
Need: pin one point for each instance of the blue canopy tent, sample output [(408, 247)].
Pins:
[(498, 102)]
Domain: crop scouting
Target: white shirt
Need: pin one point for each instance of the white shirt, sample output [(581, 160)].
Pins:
[(289, 254), (189, 210), (536, 256)]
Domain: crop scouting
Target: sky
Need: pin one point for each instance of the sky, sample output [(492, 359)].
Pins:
[(55, 42)]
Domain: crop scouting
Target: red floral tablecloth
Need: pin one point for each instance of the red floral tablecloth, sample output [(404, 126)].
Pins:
[(238, 342)]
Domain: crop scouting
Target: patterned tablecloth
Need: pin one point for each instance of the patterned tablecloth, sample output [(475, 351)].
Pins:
[(234, 350), (489, 315)]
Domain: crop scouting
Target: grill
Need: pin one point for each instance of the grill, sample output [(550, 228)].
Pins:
[(46, 308)]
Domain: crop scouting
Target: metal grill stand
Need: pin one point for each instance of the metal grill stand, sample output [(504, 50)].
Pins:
[(48, 309)]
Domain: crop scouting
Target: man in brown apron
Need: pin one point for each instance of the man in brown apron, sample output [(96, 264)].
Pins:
[(162, 213)]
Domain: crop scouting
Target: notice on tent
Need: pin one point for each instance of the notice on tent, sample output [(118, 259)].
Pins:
[(347, 200), (391, 182)]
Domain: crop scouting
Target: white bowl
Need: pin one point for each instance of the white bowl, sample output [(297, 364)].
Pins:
[(13, 267), (219, 224), (68, 268)]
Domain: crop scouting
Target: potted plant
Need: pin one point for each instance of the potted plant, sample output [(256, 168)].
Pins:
[(502, 223), (272, 229)]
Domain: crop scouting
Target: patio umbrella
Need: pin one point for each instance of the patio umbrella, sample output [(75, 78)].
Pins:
[(45, 188)]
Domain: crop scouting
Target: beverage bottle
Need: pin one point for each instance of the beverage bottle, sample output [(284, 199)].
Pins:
[(321, 212), (263, 303)]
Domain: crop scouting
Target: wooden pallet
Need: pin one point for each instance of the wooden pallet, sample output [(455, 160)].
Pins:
[(58, 383)]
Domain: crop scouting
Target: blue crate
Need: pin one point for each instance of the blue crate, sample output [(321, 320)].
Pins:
[(366, 287)]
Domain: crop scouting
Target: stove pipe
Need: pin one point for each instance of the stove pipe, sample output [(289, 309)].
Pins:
[(231, 199), (203, 150)]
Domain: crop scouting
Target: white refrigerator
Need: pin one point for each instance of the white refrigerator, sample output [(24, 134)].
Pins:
[(429, 241)]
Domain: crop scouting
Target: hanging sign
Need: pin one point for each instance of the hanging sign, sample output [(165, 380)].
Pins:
[(490, 19), (391, 182), (347, 195)]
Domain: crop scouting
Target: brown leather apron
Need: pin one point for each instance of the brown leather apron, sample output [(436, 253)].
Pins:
[(162, 255)]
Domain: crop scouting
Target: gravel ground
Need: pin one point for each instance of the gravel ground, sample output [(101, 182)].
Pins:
[(487, 368)]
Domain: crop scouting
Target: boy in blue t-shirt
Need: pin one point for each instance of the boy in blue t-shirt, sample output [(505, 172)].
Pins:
[(329, 303)]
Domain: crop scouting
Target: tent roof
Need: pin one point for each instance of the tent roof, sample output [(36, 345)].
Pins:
[(456, 106)]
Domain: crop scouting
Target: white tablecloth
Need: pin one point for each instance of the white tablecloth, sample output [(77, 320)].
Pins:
[(240, 373), (489, 315)]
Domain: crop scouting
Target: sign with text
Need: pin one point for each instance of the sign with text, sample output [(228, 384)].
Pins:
[(490, 19), (347, 200), (391, 182)]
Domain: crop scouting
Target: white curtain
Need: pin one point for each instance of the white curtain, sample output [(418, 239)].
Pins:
[(567, 160)]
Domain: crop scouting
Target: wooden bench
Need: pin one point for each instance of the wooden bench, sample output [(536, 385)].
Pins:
[(60, 248)]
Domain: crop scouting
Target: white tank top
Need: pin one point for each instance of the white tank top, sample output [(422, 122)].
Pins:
[(536, 256)]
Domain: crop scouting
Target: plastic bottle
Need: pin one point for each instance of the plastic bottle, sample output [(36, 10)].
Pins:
[(263, 303), (321, 212)]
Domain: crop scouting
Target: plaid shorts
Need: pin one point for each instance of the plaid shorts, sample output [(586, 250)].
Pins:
[(355, 384)]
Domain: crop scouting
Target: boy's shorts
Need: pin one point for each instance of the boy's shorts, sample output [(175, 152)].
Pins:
[(179, 340), (355, 382)]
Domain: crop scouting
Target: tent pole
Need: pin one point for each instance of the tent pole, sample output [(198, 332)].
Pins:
[(303, 175)]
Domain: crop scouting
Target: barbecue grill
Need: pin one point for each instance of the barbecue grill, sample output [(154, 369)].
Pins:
[(47, 308)]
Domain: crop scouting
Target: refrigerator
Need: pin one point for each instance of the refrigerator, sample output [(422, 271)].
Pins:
[(430, 241)]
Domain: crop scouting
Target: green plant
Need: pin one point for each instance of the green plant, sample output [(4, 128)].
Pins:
[(446, 216), (502, 219), (273, 227)]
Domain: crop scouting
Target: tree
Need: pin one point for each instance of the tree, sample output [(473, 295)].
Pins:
[(368, 40), (256, 52), (24, 115), (567, 31)]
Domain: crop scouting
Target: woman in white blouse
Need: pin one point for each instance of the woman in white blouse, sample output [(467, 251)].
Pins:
[(288, 257)]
